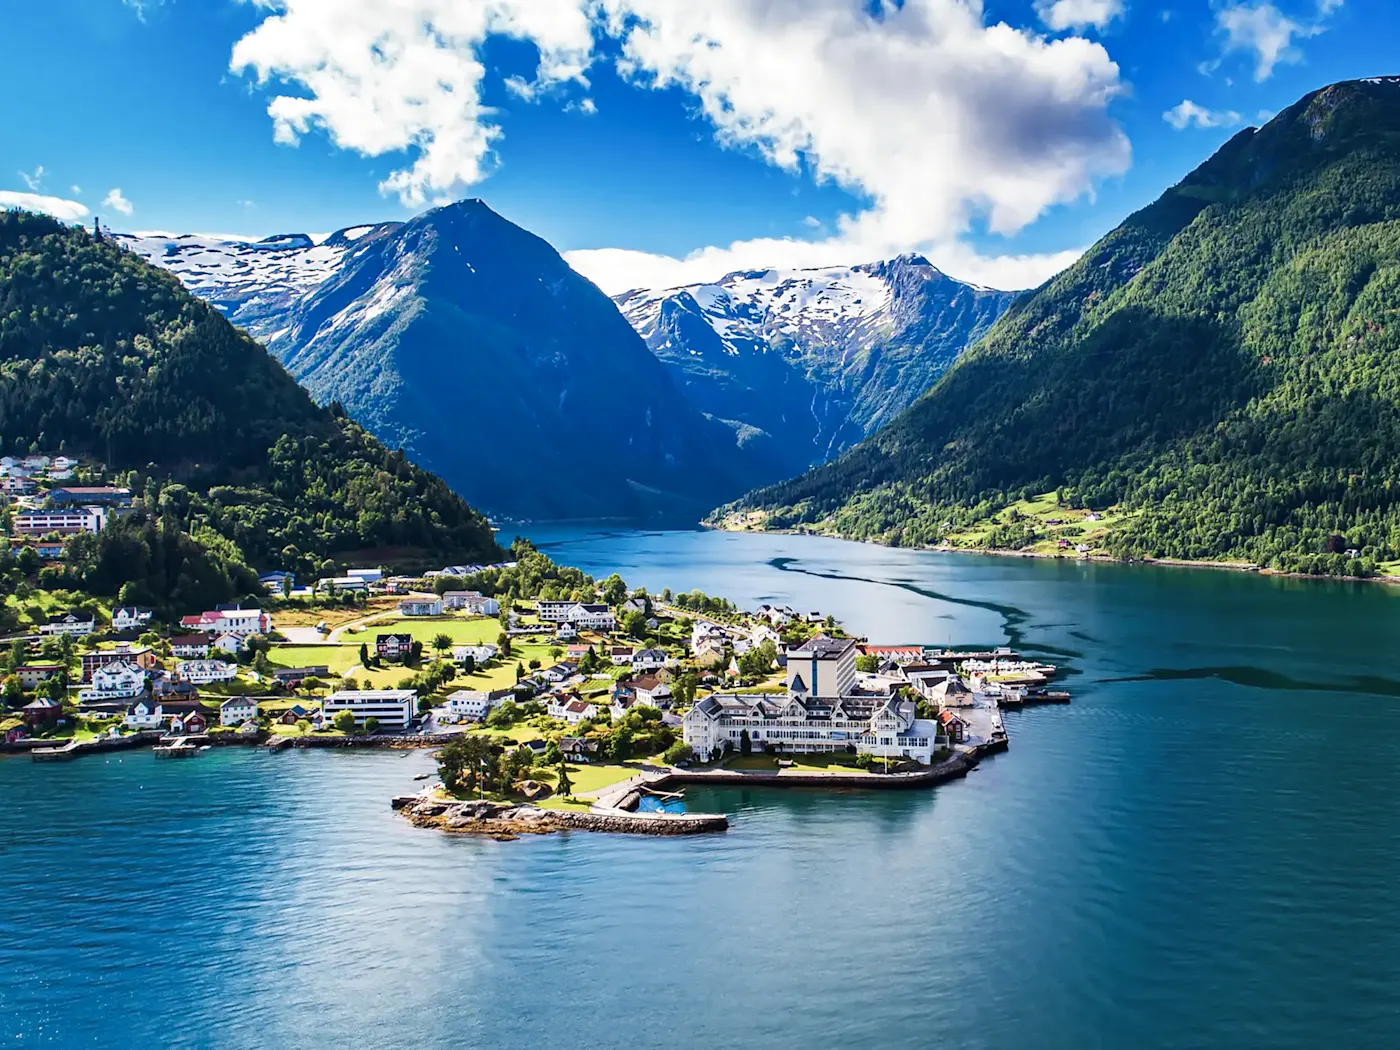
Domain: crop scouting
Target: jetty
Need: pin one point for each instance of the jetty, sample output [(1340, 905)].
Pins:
[(66, 753), (176, 747)]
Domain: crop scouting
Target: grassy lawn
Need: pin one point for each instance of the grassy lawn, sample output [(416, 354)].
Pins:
[(824, 763), (310, 616), (460, 629), (1074, 527)]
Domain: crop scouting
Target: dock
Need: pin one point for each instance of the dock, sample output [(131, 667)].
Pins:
[(66, 753), (177, 747)]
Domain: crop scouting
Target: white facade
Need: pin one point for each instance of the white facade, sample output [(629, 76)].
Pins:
[(69, 624), (649, 660), (118, 680), (479, 653), (471, 602), (368, 575), (40, 522), (472, 705), (393, 707), (421, 607), (202, 672), (228, 642), (143, 715), (128, 619), (237, 710), (822, 668)]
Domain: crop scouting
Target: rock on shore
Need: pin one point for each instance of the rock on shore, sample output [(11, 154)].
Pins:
[(504, 821)]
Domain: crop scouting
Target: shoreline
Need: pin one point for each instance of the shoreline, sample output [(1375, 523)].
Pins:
[(1171, 563)]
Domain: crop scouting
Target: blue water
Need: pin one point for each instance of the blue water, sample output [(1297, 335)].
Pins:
[(1201, 851), (652, 804)]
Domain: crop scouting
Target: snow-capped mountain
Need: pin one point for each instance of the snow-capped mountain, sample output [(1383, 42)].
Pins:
[(817, 358), (255, 283)]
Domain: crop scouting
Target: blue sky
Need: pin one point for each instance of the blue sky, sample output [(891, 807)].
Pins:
[(998, 138)]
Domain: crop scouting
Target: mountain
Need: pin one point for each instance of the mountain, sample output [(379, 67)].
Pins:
[(1224, 367), (816, 358), (106, 357), (472, 345)]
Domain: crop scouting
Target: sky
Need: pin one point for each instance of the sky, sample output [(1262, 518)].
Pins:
[(659, 142)]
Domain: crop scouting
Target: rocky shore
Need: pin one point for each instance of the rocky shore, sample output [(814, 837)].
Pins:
[(504, 821)]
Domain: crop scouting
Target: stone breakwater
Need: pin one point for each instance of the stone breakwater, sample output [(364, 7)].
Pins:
[(505, 821)]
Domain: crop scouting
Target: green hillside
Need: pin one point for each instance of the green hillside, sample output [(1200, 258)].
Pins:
[(1222, 368), (108, 358)]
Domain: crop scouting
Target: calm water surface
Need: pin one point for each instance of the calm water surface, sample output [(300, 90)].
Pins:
[(1202, 851)]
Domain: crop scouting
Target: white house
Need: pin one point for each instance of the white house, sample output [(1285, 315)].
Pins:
[(118, 680), (472, 602), (236, 710), (479, 653), (593, 615), (342, 584), (636, 603), (130, 618), (560, 672), (394, 708), (650, 690), (649, 659), (230, 621), (571, 708), (144, 714), (472, 705), (421, 606), (68, 623), (202, 672), (190, 646), (368, 575), (621, 655), (229, 642), (566, 632)]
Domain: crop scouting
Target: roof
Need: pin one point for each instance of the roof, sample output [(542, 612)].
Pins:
[(191, 639), (402, 637), (823, 648), (42, 704), (236, 701)]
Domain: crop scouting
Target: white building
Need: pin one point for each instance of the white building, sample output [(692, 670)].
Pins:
[(393, 707), (129, 618), (68, 624), (144, 714), (421, 606), (479, 653), (822, 667), (118, 680), (571, 708), (202, 672), (554, 611), (649, 660), (229, 642), (64, 522), (472, 602), (236, 710), (190, 646), (368, 575), (342, 584), (885, 727), (471, 705)]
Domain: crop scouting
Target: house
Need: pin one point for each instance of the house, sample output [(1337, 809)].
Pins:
[(142, 656), (473, 705), (566, 632), (621, 655), (479, 654), (553, 611), (118, 680), (188, 723), (144, 714), (237, 710), (342, 584), (42, 713), (31, 675), (577, 651), (954, 728), (294, 676), (367, 575), (68, 623), (294, 714), (231, 620), (273, 581), (591, 615), (578, 748), (472, 602), (229, 642), (651, 691), (649, 659), (35, 462), (60, 475), (106, 495), (249, 728), (571, 708), (637, 603), (16, 486), (899, 654), (394, 708), (393, 646), (62, 522), (130, 618), (202, 672), (190, 646), (560, 672), (420, 607), (653, 624)]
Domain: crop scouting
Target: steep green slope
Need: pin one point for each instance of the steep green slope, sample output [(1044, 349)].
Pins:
[(1224, 364), (107, 357)]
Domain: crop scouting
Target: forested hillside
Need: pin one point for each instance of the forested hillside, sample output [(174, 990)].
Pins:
[(1225, 366), (107, 357)]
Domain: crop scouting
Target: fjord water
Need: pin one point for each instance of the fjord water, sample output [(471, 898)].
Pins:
[(1202, 851)]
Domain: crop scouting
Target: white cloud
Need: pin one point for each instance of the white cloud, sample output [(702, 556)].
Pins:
[(1186, 114), (1060, 15), (33, 179), (59, 208), (934, 119), (77, 190), (1265, 31), (116, 201), (384, 76)]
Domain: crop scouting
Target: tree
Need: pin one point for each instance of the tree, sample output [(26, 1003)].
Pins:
[(371, 724), (518, 764), (678, 752), (286, 586), (869, 663), (344, 721), (745, 744), (555, 652), (463, 761), (364, 656), (635, 624), (563, 785), (442, 643), (13, 692), (614, 590), (503, 715)]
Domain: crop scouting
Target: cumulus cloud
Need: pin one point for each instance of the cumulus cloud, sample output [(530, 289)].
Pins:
[(1187, 114), (384, 76), (67, 210), (1060, 15), (936, 120), (1266, 32), (117, 202)]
